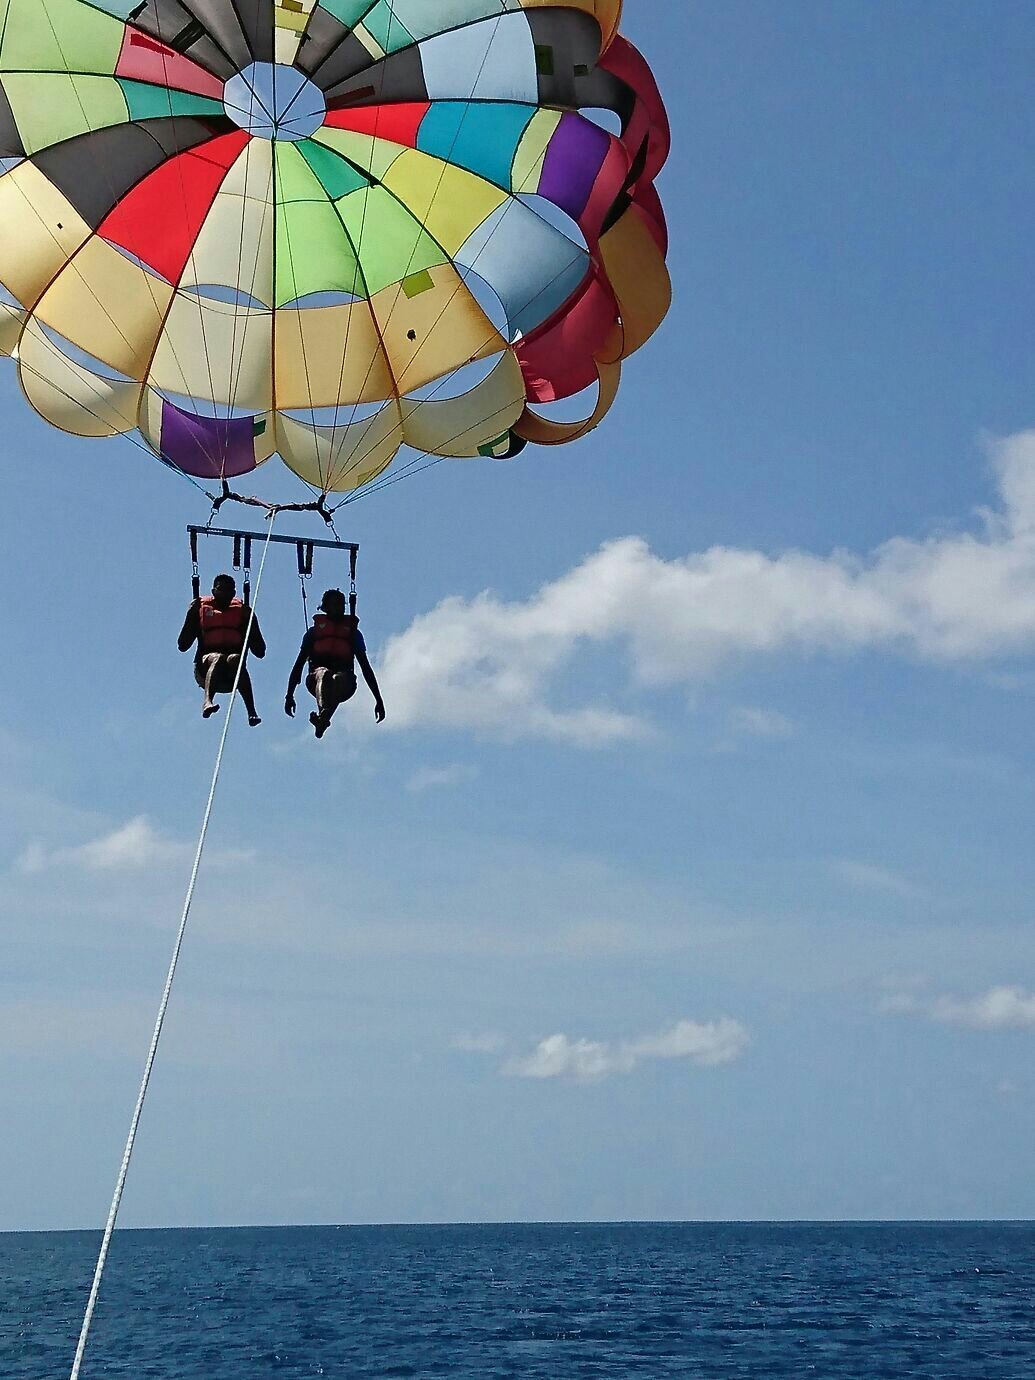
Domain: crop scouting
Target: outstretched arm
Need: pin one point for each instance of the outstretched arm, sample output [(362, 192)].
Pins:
[(191, 627), (256, 642), (371, 680), (296, 677)]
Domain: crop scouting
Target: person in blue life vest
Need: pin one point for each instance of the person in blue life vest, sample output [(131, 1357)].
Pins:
[(218, 624), (331, 647)]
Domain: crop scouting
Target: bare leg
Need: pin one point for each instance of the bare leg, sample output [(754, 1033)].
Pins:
[(340, 689), (245, 687), (212, 668), (318, 685)]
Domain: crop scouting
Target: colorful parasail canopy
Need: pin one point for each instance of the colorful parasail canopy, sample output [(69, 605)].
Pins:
[(325, 228)]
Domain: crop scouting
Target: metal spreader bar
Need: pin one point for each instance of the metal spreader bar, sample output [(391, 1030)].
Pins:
[(261, 536), (304, 547)]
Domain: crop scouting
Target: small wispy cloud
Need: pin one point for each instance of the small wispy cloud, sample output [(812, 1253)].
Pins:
[(133, 846), (441, 778), (866, 876), (708, 1044), (1003, 1007), (1000, 1008)]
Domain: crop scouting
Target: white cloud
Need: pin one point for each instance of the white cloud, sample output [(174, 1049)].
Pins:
[(133, 846), (708, 1043), (437, 778), (494, 666), (1000, 1008)]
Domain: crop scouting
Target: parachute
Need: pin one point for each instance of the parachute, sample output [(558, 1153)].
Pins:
[(235, 229)]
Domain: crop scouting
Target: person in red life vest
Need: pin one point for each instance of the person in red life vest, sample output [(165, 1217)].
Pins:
[(218, 624), (332, 646)]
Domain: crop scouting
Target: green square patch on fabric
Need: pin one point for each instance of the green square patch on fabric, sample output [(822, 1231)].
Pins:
[(417, 283), (544, 64), (259, 426), (492, 449)]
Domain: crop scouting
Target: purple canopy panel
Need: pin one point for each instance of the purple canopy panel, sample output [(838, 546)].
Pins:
[(207, 447), (573, 161)]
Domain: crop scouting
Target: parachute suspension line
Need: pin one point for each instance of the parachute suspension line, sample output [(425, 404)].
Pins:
[(357, 249), (106, 174), (163, 1007), (105, 171), (416, 465), (129, 437), (234, 386)]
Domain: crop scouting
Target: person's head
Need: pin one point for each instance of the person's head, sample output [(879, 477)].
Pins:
[(334, 604), (223, 589)]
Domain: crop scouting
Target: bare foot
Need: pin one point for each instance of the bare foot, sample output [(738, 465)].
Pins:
[(207, 710), (254, 721), (321, 725)]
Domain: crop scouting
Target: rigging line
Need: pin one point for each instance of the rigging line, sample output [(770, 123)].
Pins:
[(393, 18), (349, 29), (462, 270), (325, 478), (130, 436), (244, 198), (190, 261), (357, 251), (3, 31), (422, 230), (274, 309), (301, 333), (406, 470), (116, 201), (275, 232), (189, 7), (413, 466), (386, 480), (163, 1007)]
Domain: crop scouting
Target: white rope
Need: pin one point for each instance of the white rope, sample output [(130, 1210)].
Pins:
[(120, 1182)]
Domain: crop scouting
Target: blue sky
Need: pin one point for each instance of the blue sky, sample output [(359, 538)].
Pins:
[(691, 874)]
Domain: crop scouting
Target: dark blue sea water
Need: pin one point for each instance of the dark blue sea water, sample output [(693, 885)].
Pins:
[(950, 1302)]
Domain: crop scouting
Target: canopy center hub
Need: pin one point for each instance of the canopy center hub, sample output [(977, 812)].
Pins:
[(273, 101)]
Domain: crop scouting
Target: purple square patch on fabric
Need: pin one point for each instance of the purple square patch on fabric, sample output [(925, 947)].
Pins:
[(207, 447), (573, 161)]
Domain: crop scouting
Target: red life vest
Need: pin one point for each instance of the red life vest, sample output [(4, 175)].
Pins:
[(332, 640), (222, 630)]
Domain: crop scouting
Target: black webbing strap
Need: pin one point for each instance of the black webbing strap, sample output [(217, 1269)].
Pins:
[(247, 567), (304, 556), (195, 582)]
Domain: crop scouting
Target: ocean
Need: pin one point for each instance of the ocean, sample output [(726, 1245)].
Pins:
[(942, 1302)]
